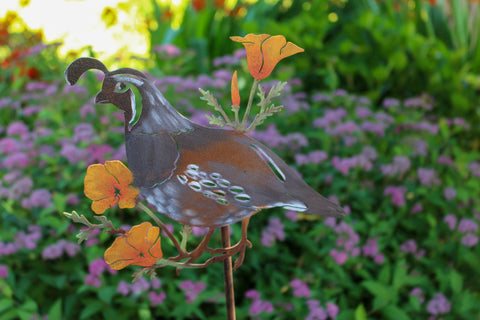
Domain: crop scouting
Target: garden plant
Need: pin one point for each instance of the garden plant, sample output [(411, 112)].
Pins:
[(385, 138)]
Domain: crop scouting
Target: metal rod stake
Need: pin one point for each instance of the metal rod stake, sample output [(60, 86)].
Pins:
[(228, 276)]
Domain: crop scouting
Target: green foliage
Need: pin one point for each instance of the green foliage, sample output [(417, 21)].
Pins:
[(371, 49)]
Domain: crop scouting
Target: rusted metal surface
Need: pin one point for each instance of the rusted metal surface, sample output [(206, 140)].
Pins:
[(196, 175)]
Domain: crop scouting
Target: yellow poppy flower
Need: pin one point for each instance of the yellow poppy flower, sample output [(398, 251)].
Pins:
[(108, 185), (265, 51), (140, 246)]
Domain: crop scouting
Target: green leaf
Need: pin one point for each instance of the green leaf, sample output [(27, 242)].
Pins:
[(382, 293), (456, 282), (360, 313), (394, 313), (5, 304), (400, 277), (55, 311), (91, 309), (106, 294)]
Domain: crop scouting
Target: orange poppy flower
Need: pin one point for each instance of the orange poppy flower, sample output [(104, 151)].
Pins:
[(140, 246), (265, 51), (108, 185), (234, 90)]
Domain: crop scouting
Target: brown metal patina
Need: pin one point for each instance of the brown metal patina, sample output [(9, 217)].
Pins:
[(196, 175)]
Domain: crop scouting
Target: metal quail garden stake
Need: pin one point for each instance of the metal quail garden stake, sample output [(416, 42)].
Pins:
[(196, 175)]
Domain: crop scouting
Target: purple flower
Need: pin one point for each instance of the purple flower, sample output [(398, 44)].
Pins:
[(139, 286), (72, 153), (156, 298), (340, 257), (39, 198), (363, 112), (87, 109), (418, 293), (331, 116), (376, 128), (469, 240), (97, 153), (467, 225), (332, 310), (123, 288), (97, 266), (438, 305), (348, 127), (316, 312), (474, 167), (92, 280), (330, 222), (428, 177), (155, 283), (17, 128), (300, 289), (451, 221), (71, 248), (379, 258), (417, 207), (449, 193), (168, 50), (53, 251), (291, 215), (320, 97), (397, 193), (252, 294), (274, 231), (199, 231), (399, 166), (192, 289), (258, 306), (370, 249), (16, 160), (421, 147), (83, 132), (390, 103), (445, 160), (20, 187), (409, 246), (9, 145), (3, 271)]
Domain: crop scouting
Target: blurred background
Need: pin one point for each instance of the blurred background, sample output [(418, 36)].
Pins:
[(381, 114)]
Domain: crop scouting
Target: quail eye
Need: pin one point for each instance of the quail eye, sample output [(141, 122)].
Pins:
[(120, 86)]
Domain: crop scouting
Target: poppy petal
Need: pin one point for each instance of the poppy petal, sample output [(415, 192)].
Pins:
[(120, 254), (98, 183), (99, 206), (128, 197), (234, 90), (121, 173)]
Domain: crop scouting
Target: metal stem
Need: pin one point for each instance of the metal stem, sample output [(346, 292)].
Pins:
[(228, 276)]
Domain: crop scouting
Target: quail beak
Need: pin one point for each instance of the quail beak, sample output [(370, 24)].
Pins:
[(101, 98)]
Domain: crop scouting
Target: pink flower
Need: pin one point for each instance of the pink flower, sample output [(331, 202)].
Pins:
[(300, 289), (469, 240), (340, 257), (397, 193), (92, 280), (451, 221), (332, 310), (438, 305), (467, 225), (192, 289), (3, 271), (156, 298)]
